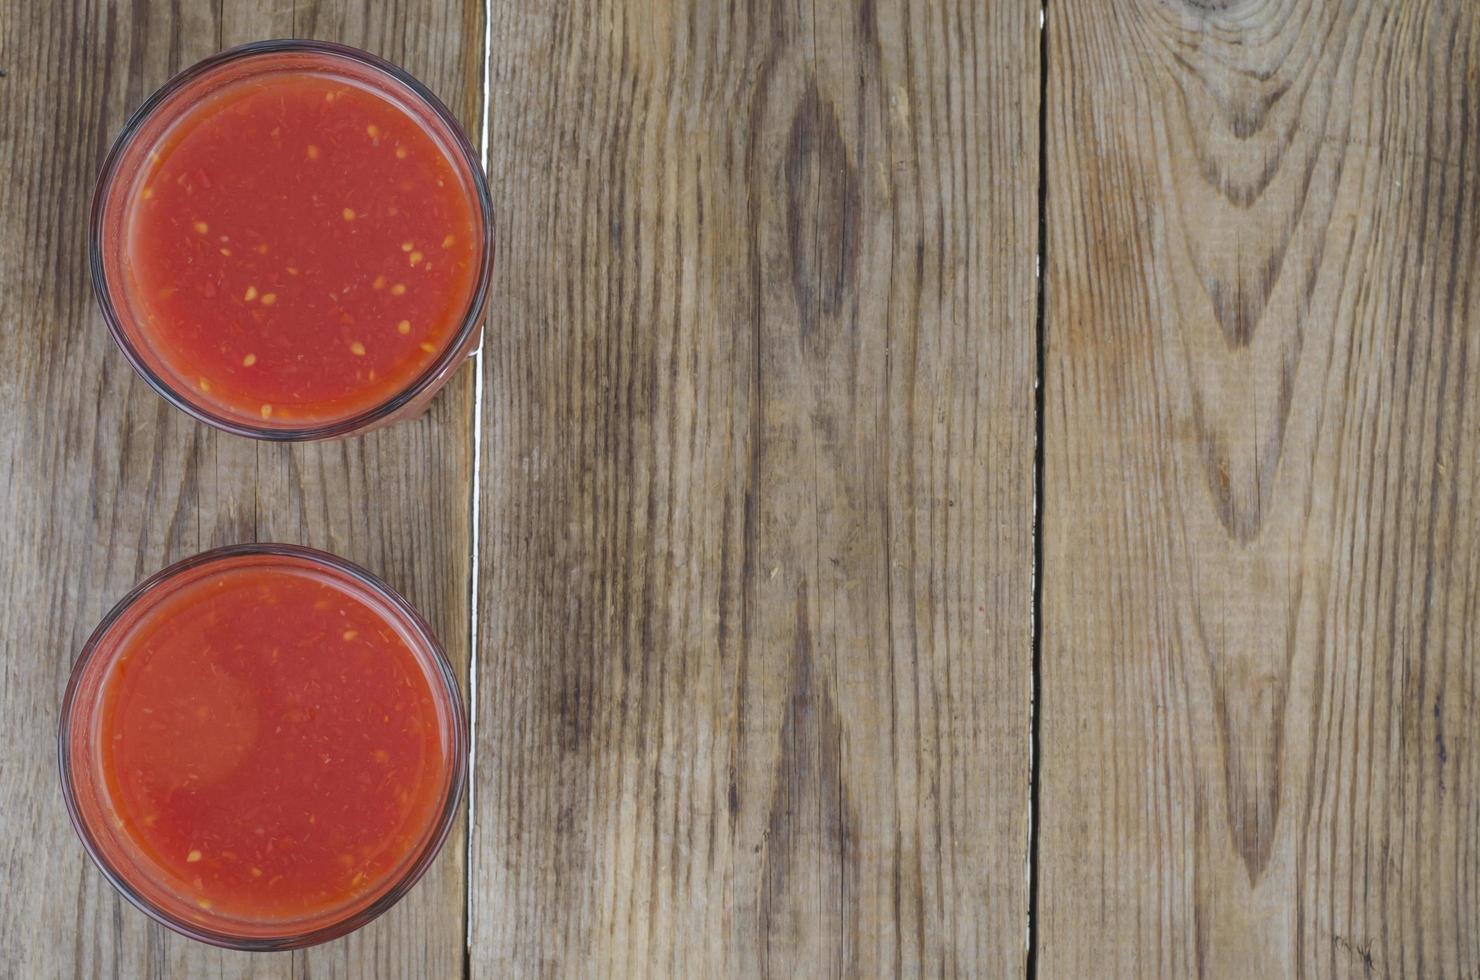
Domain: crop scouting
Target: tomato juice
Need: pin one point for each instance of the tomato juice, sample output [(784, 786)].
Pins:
[(263, 746), (292, 241)]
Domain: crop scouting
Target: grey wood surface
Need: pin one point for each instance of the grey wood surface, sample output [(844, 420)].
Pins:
[(756, 492), (1260, 732)]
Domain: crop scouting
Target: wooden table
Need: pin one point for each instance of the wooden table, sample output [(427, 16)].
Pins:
[(784, 489)]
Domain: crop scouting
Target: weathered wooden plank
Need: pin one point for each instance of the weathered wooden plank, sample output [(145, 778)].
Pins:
[(756, 490), (103, 483), (1261, 540)]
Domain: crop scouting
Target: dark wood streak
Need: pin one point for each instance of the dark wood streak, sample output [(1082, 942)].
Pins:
[(822, 210), (810, 814), (1253, 787)]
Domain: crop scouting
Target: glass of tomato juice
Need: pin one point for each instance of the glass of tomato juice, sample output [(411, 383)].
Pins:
[(292, 240), (263, 747)]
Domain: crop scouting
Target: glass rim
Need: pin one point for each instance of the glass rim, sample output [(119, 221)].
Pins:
[(423, 383), (417, 862)]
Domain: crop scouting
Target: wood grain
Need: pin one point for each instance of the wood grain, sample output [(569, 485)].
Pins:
[(1261, 537), (103, 482), (757, 491)]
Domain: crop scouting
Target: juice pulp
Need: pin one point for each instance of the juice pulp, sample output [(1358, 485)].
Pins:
[(270, 746), (300, 249)]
